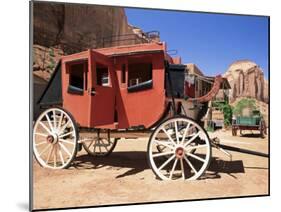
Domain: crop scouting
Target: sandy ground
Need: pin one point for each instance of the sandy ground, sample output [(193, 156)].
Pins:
[(125, 177)]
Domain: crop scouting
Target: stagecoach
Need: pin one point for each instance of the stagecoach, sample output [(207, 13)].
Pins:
[(98, 96)]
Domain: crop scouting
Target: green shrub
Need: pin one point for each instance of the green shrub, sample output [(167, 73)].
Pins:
[(51, 52), (244, 103)]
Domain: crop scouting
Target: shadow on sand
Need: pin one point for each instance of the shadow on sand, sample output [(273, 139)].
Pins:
[(136, 161), (253, 134)]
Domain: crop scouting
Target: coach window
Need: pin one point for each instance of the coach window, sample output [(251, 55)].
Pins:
[(78, 77), (102, 75), (139, 73)]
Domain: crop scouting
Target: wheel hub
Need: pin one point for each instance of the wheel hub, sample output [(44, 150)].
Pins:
[(52, 139), (179, 152)]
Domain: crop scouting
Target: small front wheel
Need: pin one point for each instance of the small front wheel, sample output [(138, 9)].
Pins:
[(55, 138), (180, 136)]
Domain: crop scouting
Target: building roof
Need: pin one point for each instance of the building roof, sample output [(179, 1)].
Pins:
[(193, 69)]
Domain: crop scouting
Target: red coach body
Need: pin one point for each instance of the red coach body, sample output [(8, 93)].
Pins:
[(110, 104)]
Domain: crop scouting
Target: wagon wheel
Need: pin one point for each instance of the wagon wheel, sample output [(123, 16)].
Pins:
[(100, 147), (265, 132), (262, 129), (55, 138), (178, 160), (241, 132), (234, 131)]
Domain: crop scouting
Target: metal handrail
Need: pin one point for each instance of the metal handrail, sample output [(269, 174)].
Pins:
[(109, 41)]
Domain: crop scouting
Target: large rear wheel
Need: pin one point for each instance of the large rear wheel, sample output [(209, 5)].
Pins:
[(180, 136)]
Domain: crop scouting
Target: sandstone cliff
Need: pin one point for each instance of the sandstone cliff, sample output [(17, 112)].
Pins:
[(75, 27), (61, 29), (246, 79)]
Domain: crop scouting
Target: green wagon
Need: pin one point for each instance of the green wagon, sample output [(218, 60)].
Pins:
[(253, 122)]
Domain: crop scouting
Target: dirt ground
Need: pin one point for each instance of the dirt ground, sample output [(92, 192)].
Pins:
[(125, 177)]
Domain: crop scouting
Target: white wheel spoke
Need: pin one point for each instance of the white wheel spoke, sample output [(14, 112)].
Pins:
[(182, 169), (168, 136), (45, 149), (173, 169), (195, 156), (50, 154), (64, 126), (166, 144), (41, 134), (166, 162), (162, 154), (190, 164), (177, 133), (54, 119), (66, 134), (192, 139), (66, 141), (65, 149), (60, 120), (55, 156), (60, 153), (184, 134), (45, 127), (39, 144), (49, 122)]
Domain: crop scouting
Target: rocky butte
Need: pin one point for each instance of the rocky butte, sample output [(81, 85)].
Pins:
[(246, 79)]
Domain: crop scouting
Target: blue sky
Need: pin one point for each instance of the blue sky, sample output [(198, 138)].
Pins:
[(211, 41)]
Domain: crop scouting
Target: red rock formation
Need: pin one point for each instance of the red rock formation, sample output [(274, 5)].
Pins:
[(246, 79)]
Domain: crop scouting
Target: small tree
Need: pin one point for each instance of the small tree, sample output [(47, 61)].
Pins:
[(227, 111)]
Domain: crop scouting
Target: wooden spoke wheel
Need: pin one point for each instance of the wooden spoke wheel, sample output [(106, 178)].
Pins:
[(234, 131), (180, 136), (241, 132), (55, 138), (262, 129), (100, 147)]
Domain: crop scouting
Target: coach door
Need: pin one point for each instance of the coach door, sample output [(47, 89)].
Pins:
[(102, 90)]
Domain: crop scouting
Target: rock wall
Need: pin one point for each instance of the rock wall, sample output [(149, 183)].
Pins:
[(63, 28), (75, 27), (246, 79)]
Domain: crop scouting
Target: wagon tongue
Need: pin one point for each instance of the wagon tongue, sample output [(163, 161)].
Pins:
[(222, 147)]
